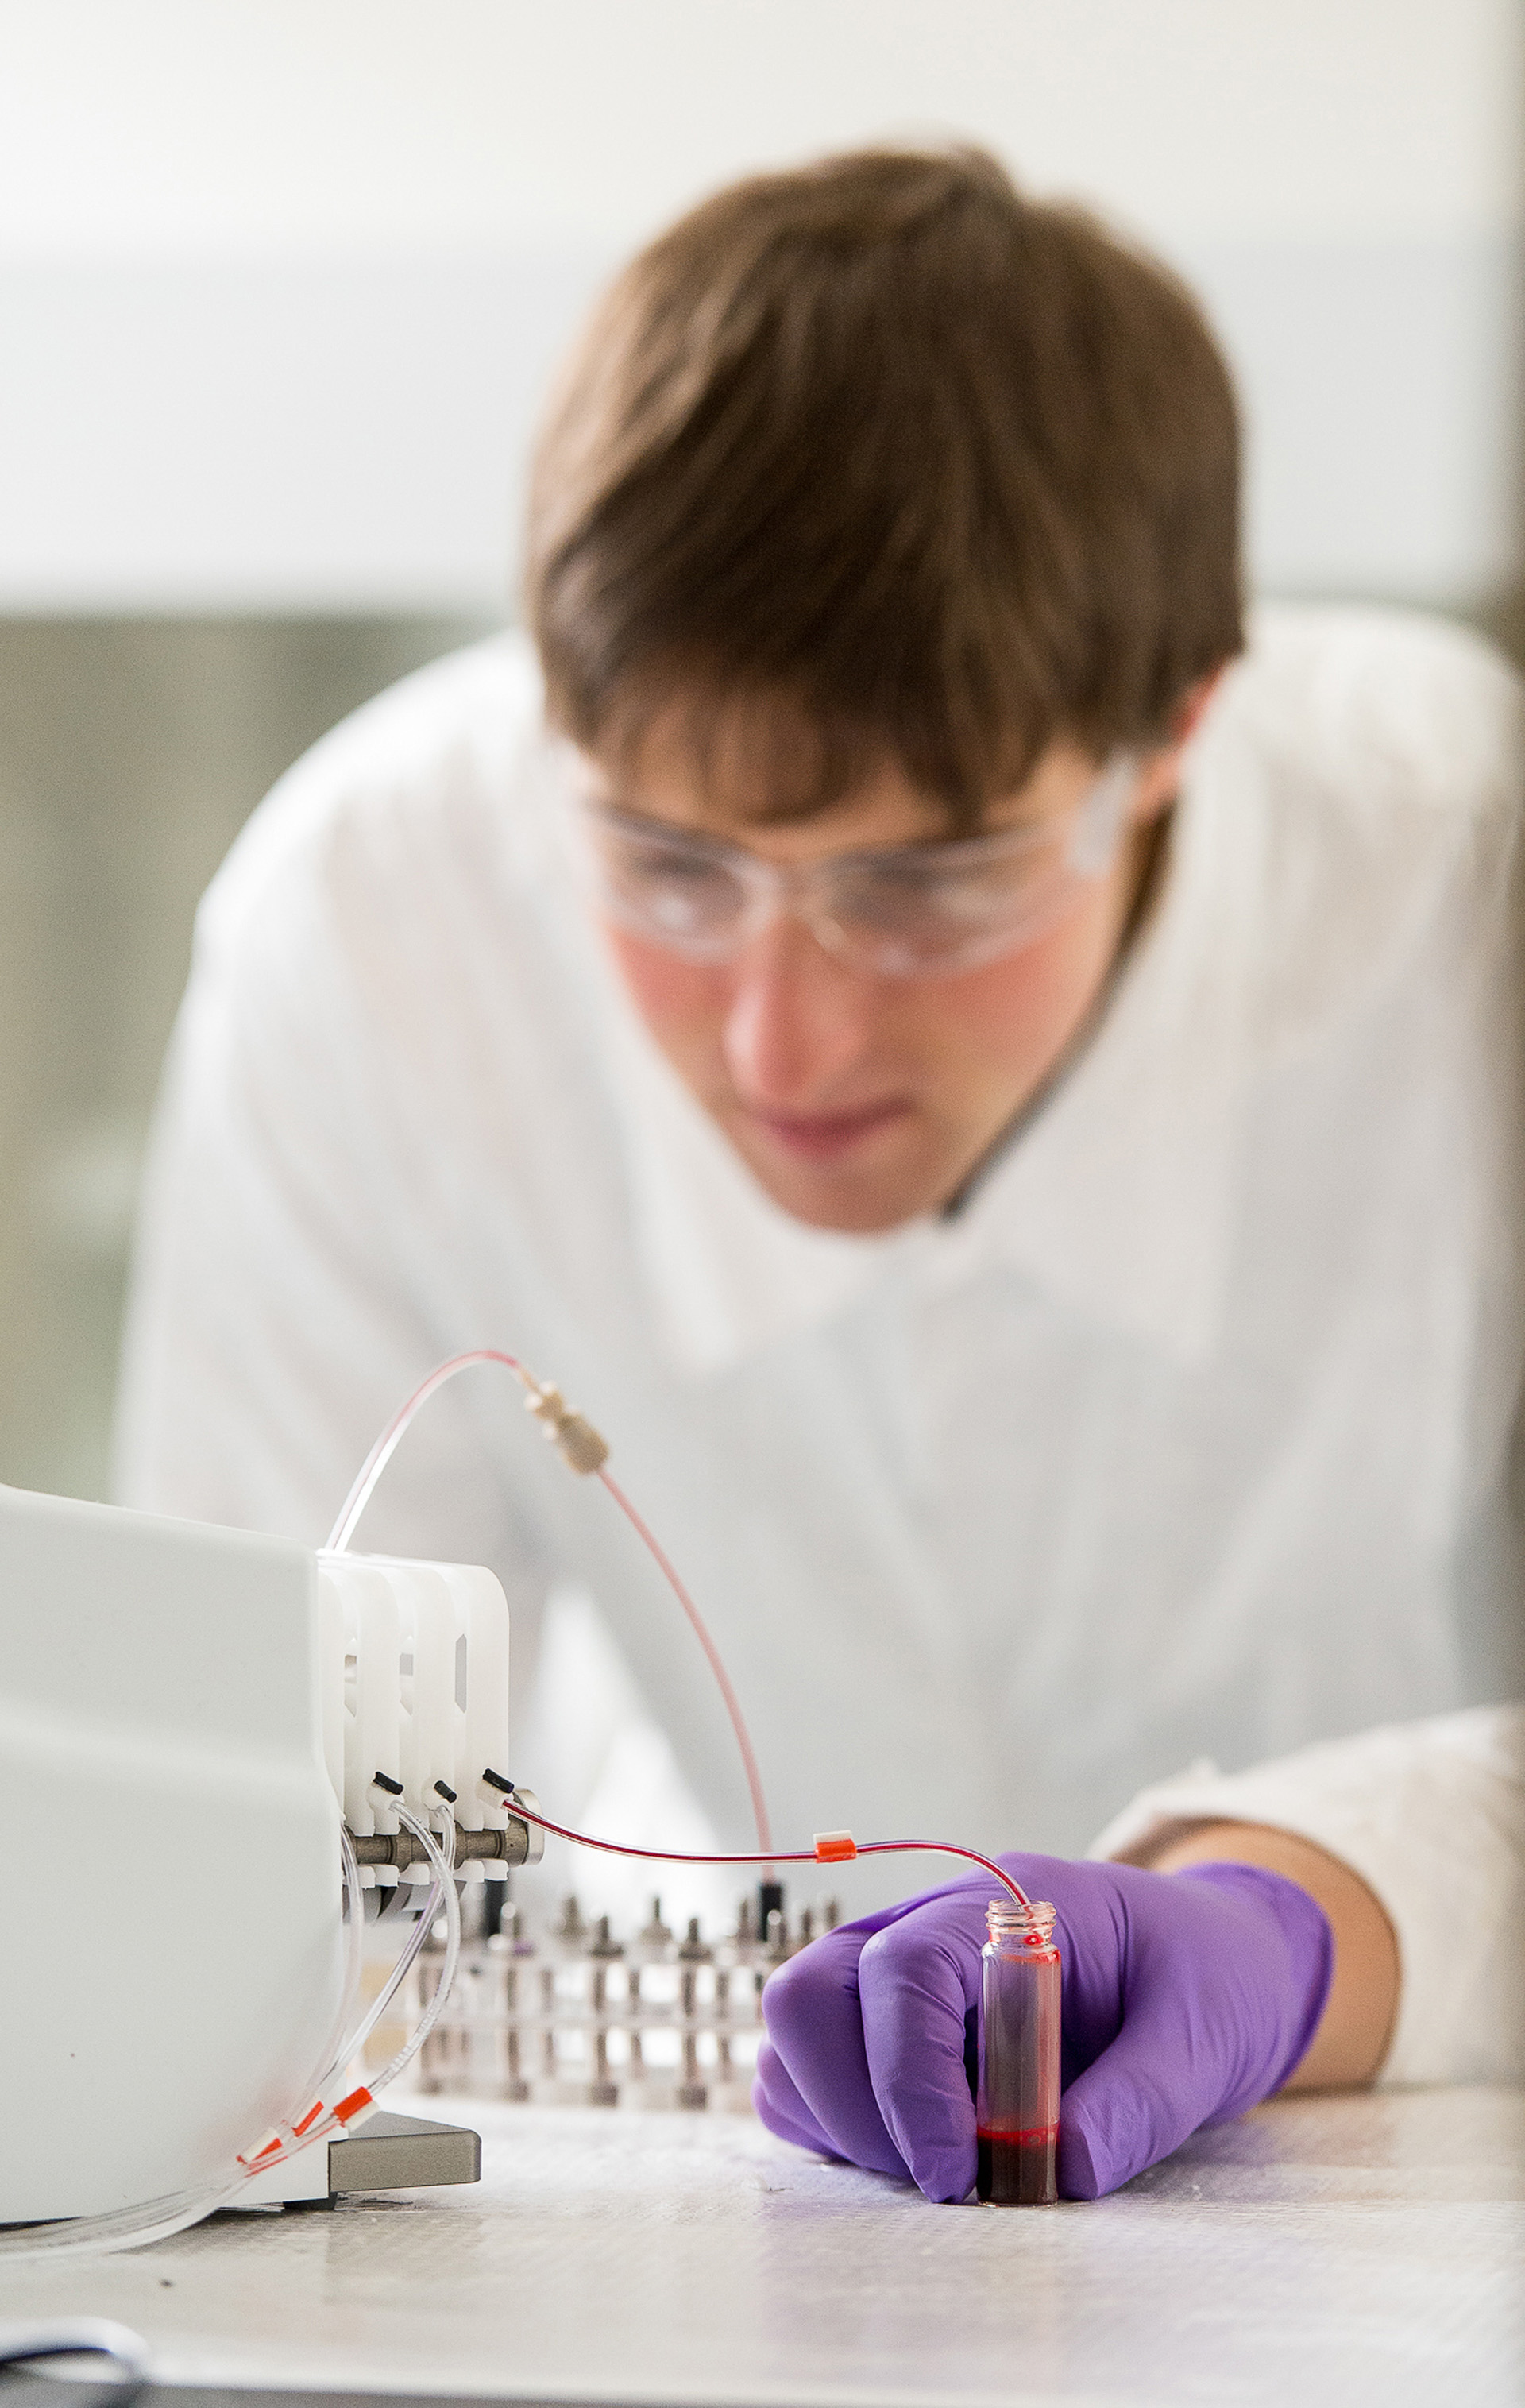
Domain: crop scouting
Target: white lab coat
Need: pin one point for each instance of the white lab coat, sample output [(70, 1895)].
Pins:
[(1189, 1438)]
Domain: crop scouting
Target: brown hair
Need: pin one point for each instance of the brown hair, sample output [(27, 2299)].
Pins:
[(948, 472)]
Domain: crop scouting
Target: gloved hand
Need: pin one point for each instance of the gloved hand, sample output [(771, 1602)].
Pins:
[(1186, 1997)]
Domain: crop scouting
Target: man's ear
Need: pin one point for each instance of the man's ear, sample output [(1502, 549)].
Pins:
[(1161, 767)]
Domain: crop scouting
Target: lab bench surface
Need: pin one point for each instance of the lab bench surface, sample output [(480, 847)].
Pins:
[(1319, 2251)]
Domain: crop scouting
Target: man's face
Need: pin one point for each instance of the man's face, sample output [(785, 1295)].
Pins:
[(860, 1101)]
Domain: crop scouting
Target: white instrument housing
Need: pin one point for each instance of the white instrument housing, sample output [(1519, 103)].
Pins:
[(182, 1710)]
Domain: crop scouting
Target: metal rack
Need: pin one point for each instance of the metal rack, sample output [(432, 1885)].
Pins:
[(578, 2017)]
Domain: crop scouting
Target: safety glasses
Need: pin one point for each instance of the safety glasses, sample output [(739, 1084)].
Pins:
[(915, 911)]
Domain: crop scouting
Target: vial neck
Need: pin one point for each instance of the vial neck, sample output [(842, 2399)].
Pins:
[(1013, 1927)]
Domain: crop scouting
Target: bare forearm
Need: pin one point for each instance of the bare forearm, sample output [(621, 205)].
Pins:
[(1355, 2026)]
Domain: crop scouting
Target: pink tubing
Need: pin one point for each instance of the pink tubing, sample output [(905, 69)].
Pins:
[(344, 1529), (732, 1703), (386, 1446)]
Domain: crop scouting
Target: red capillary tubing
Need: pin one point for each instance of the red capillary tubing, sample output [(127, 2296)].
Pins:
[(830, 1847)]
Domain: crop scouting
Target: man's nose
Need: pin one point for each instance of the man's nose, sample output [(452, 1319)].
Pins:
[(797, 1020)]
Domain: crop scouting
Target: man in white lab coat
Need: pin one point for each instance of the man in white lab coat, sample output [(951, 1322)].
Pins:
[(1005, 1106)]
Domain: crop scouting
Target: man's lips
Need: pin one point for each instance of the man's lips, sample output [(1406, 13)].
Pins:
[(823, 1137)]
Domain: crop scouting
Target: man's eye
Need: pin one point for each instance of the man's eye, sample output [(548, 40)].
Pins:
[(680, 890), (894, 887), (681, 873), (892, 877)]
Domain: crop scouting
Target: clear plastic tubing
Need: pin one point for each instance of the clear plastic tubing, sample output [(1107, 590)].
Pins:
[(157, 2219), (1017, 2106)]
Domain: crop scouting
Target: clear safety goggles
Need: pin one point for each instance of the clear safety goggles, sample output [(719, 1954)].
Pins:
[(911, 910)]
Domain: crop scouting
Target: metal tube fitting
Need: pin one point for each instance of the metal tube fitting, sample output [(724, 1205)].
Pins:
[(517, 1843)]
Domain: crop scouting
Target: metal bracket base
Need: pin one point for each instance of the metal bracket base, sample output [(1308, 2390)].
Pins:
[(390, 2153)]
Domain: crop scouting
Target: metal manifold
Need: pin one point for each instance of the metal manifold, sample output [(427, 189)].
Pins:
[(576, 2019)]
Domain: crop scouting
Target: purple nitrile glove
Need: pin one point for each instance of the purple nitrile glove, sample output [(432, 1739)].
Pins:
[(1186, 1998)]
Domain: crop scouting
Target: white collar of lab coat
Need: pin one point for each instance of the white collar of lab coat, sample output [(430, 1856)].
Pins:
[(1113, 1199)]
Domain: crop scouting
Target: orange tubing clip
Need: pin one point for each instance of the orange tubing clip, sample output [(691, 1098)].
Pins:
[(834, 1847)]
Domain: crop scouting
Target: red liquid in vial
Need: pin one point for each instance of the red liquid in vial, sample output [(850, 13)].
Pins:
[(1016, 2168)]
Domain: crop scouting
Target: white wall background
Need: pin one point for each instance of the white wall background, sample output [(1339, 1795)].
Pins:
[(280, 280)]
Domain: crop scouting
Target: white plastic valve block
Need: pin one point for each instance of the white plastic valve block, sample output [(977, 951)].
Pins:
[(415, 1685)]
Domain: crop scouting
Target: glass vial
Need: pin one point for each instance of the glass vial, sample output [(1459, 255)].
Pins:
[(1017, 2108)]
